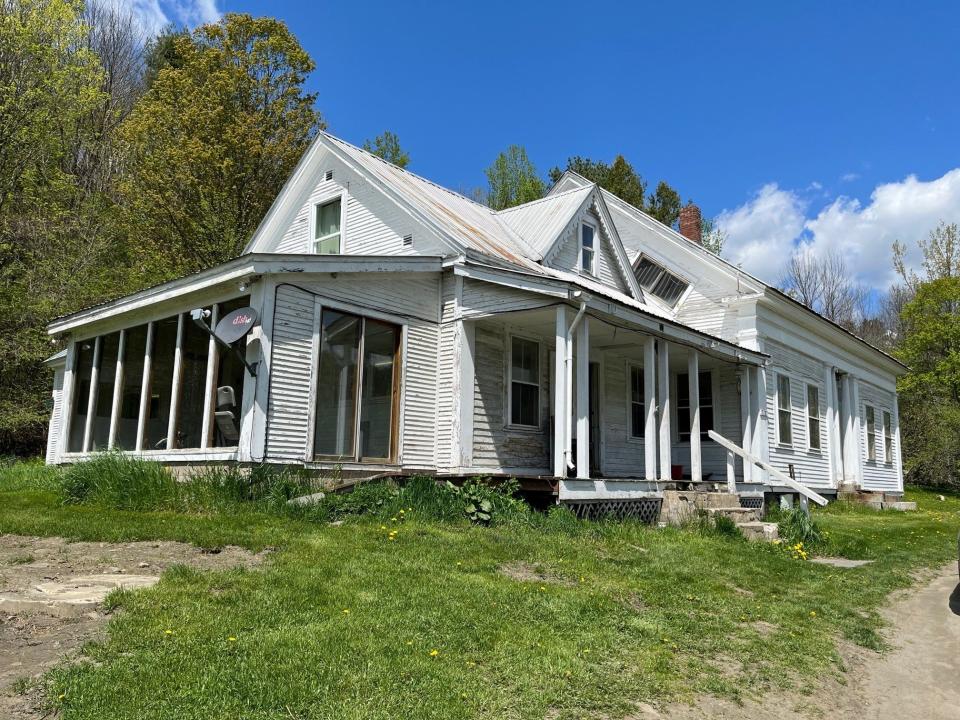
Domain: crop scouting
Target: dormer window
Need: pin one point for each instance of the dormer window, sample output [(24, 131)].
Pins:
[(588, 255), (660, 282), (326, 228)]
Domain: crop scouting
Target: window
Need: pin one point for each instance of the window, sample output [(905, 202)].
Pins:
[(784, 411), (135, 347), (588, 256), (326, 228), (194, 349), (162, 362), (871, 433), (103, 402), (228, 391), (356, 402), (83, 370), (813, 417), (887, 438), (637, 416), (683, 405), (658, 281), (524, 382)]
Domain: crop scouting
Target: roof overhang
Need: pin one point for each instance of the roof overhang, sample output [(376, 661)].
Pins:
[(243, 268)]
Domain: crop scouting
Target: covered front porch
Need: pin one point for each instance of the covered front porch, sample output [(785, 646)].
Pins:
[(607, 403)]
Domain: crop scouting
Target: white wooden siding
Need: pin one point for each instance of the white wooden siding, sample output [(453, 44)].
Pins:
[(409, 300), (811, 467), (373, 225), (56, 417), (877, 474), (482, 298), (726, 414), (701, 309), (445, 370), (494, 444), (288, 407), (567, 254)]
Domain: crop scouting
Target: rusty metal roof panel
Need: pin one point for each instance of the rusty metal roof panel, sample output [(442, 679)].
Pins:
[(541, 221)]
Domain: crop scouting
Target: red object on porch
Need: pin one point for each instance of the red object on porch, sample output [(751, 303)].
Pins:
[(676, 472)]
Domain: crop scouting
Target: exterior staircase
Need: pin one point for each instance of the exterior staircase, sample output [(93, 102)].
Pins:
[(681, 506)]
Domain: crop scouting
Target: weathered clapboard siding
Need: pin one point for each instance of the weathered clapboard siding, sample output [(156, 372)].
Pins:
[(567, 254), (494, 443), (291, 367), (409, 300), (811, 467), (445, 372), (622, 455), (701, 309), (877, 474), (726, 414), (373, 225), (56, 417), (483, 298)]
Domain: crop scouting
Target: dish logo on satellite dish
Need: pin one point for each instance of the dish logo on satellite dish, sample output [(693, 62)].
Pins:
[(234, 325)]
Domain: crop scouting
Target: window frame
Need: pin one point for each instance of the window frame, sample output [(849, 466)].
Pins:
[(870, 418), (818, 418), (887, 418), (311, 456), (789, 409), (508, 409), (663, 269), (632, 433), (312, 240), (592, 270), (676, 407)]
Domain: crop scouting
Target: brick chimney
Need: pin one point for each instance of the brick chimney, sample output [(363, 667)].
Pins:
[(690, 226)]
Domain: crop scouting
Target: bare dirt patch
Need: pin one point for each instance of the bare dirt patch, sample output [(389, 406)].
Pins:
[(526, 572), (34, 638)]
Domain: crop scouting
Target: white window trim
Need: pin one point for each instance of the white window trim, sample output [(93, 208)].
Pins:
[(887, 441), (808, 416), (592, 272), (508, 409), (639, 439), (776, 408), (675, 407), (866, 430), (325, 199)]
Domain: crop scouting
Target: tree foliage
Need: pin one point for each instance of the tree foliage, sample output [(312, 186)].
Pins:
[(387, 146), (513, 179), (714, 237), (213, 140)]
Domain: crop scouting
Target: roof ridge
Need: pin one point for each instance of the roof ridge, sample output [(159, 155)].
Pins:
[(544, 199), (408, 172)]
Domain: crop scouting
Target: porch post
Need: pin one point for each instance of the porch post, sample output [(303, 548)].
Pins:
[(895, 418), (857, 465), (693, 376), (663, 373), (468, 347), (847, 422), (760, 434), (175, 386), (92, 394), (145, 388), (117, 390), (650, 408), (833, 437), (209, 389), (66, 406), (559, 393), (746, 418), (583, 399)]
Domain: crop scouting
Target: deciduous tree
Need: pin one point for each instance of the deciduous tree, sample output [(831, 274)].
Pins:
[(387, 146), (513, 179)]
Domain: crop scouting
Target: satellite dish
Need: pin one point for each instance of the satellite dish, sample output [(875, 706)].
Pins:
[(234, 325)]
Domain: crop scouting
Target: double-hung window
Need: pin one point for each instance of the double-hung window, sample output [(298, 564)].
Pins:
[(683, 405), (784, 411), (524, 382), (326, 228), (871, 433), (588, 254), (637, 415), (887, 438), (813, 417)]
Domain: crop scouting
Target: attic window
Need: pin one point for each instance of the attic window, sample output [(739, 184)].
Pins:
[(326, 228), (588, 256), (328, 175), (659, 281)]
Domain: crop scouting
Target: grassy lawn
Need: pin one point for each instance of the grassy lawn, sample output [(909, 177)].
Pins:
[(589, 619)]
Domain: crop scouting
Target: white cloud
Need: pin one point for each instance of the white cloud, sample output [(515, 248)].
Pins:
[(761, 233), (154, 15), (850, 176), (764, 231)]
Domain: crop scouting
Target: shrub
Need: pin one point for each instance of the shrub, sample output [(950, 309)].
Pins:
[(796, 526), (482, 501)]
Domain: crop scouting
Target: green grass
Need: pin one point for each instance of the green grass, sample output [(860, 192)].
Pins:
[(342, 621)]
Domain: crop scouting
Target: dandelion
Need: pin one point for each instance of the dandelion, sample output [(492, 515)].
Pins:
[(542, 589), (813, 613), (434, 652), (409, 642), (346, 611), (459, 564), (581, 579), (168, 632), (61, 696), (383, 527), (232, 638)]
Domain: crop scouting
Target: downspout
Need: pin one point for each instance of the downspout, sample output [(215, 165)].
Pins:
[(568, 384)]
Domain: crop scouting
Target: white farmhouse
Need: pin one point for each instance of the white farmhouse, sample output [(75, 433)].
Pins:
[(572, 342)]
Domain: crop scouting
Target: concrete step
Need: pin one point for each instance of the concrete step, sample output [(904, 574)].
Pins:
[(757, 530), (736, 513)]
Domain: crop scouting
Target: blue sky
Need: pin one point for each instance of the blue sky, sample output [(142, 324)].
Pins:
[(792, 123)]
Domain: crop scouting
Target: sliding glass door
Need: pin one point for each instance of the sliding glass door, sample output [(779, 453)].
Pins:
[(356, 388)]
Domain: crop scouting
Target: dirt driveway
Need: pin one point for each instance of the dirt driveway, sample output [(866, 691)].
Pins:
[(919, 678), (37, 632)]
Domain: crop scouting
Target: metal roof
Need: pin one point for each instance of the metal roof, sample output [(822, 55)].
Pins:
[(541, 221)]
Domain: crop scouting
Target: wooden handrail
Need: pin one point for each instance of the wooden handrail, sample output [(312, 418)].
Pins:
[(785, 479)]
